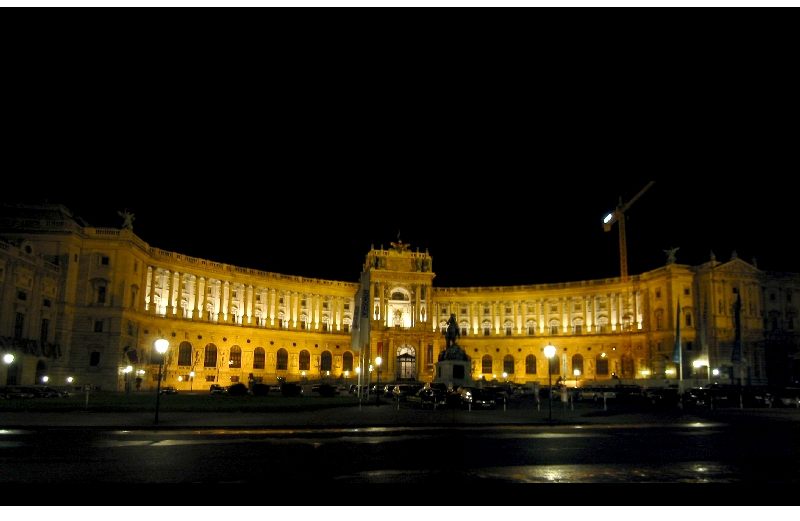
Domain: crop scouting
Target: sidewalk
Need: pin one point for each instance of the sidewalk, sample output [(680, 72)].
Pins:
[(368, 416)]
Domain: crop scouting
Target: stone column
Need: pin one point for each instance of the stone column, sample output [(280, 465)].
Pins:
[(151, 289), (249, 307), (200, 300)]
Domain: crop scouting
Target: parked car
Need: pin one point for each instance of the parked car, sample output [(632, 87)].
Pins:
[(169, 390), (403, 391), (217, 389)]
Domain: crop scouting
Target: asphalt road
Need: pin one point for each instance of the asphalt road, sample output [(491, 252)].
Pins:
[(740, 452)]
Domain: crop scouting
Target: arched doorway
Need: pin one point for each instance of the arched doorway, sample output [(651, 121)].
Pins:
[(406, 363)]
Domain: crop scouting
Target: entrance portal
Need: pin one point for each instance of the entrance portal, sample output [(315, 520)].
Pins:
[(406, 363)]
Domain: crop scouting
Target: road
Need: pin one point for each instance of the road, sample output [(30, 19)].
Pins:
[(716, 452)]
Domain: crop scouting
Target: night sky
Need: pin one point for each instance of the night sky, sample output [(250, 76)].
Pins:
[(500, 191), (529, 228)]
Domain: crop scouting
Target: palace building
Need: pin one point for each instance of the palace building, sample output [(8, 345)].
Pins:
[(84, 302)]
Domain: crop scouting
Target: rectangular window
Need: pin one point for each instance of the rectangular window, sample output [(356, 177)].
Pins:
[(98, 326), (578, 329), (104, 261), (658, 293), (444, 310), (347, 306), (508, 310), (531, 309), (19, 324), (303, 303), (234, 379), (508, 331), (429, 355), (486, 311), (554, 309), (21, 295), (324, 327), (210, 378), (531, 330), (687, 291), (553, 330), (487, 331), (346, 328), (463, 311), (45, 331), (324, 305), (464, 331), (101, 295), (735, 290), (46, 303)]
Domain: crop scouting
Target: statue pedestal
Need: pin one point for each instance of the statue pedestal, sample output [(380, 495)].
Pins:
[(454, 368)]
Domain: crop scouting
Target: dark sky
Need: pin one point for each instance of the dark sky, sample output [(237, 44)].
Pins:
[(496, 229), (504, 182)]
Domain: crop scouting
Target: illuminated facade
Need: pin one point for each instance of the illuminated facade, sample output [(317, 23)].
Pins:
[(110, 295)]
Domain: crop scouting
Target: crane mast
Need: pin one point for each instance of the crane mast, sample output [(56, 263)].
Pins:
[(618, 216)]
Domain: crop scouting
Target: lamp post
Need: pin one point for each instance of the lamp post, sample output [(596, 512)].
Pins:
[(191, 381), (378, 362), (8, 359), (161, 346), (549, 353), (127, 372)]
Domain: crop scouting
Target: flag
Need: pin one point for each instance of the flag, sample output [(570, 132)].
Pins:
[(677, 355), (736, 354)]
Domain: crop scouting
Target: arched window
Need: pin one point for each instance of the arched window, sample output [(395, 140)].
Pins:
[(486, 364), (211, 356), (530, 364), (282, 360), (508, 364), (259, 358), (236, 357), (305, 360), (326, 361), (185, 354), (577, 326), (347, 361), (577, 363), (554, 327), (601, 363), (530, 325), (602, 324)]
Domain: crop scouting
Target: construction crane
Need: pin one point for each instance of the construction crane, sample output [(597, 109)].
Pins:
[(618, 215)]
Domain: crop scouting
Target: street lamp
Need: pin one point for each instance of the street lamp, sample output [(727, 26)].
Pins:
[(549, 353), (697, 364), (127, 371), (378, 362), (161, 346), (8, 358)]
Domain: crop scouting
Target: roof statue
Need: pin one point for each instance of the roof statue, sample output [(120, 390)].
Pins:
[(127, 219), (671, 255)]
